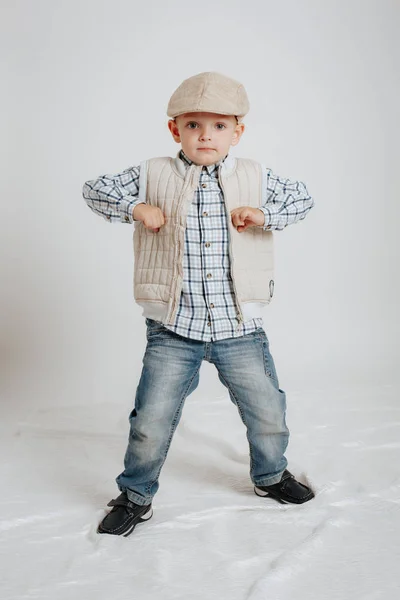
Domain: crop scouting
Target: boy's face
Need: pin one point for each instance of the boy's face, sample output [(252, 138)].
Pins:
[(205, 137)]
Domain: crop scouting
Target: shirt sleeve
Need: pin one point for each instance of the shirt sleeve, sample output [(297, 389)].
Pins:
[(114, 197), (288, 202)]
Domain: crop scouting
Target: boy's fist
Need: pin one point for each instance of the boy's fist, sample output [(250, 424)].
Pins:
[(245, 216), (152, 217)]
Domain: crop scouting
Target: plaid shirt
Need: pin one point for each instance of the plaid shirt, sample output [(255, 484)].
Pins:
[(207, 309)]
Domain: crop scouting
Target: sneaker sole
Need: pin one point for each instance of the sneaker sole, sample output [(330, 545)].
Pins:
[(263, 494), (142, 519)]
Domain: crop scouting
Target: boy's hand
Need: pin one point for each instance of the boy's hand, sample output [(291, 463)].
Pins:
[(246, 216), (152, 217)]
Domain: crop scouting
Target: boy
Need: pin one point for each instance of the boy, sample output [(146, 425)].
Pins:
[(203, 270)]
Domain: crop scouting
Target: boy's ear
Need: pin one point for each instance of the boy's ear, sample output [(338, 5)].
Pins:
[(173, 127), (239, 129)]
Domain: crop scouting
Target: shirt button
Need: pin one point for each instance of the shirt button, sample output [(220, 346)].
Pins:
[(127, 219), (209, 275), (207, 244), (205, 214), (108, 217), (209, 324), (211, 305), (203, 185)]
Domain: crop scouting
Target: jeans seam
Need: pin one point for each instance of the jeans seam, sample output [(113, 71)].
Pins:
[(267, 371), (243, 419), (147, 491)]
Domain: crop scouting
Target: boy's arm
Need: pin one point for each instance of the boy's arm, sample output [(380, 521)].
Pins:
[(287, 202), (114, 197)]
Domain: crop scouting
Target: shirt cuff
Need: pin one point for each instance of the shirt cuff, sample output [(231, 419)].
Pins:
[(267, 217), (126, 206)]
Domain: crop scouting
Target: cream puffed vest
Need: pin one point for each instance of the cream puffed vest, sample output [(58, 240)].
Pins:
[(158, 257)]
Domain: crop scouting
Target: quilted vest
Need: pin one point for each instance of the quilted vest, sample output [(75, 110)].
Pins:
[(158, 257)]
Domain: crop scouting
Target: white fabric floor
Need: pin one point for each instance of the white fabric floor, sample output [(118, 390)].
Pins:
[(210, 535)]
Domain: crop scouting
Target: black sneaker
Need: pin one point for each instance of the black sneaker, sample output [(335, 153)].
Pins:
[(124, 516), (286, 490)]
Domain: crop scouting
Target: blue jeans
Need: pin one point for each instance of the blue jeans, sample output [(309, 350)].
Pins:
[(170, 373)]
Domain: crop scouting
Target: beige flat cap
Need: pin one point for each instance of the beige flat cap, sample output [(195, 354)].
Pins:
[(209, 92)]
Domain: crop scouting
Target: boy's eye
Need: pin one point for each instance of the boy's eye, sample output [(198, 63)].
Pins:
[(219, 126)]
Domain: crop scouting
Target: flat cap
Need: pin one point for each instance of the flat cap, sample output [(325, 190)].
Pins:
[(209, 92)]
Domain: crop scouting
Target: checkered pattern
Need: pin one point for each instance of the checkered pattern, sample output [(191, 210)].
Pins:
[(207, 308)]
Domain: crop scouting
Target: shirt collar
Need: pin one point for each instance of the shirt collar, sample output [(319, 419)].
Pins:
[(210, 168)]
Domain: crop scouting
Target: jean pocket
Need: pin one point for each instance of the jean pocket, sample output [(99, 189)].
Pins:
[(260, 331), (154, 328)]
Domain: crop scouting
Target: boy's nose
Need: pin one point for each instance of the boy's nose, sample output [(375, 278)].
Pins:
[(205, 136)]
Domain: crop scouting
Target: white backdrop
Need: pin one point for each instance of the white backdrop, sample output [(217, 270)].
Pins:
[(87, 85), (85, 90)]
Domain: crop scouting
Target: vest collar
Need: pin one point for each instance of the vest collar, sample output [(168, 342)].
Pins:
[(227, 166)]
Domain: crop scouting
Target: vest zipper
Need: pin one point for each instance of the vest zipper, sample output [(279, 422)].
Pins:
[(228, 216), (177, 293)]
